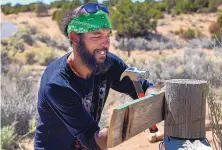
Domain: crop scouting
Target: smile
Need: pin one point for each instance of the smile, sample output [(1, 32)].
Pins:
[(102, 52)]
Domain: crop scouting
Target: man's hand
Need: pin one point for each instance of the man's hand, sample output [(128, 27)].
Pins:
[(101, 138), (151, 91)]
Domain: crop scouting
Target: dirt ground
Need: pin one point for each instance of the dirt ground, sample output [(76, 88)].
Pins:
[(138, 142)]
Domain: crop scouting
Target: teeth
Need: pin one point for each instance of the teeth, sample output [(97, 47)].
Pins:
[(102, 52)]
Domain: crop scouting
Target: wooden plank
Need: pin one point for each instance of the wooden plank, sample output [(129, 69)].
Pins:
[(144, 113), (139, 115), (116, 127)]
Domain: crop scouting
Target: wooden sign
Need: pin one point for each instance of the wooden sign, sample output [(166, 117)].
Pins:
[(134, 117)]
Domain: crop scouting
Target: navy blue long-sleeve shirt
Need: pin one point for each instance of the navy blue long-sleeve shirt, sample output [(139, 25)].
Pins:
[(70, 107)]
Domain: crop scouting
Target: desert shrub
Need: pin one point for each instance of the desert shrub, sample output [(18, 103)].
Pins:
[(186, 6), (24, 35), (41, 10), (215, 98), (183, 6), (192, 65), (201, 43), (214, 28), (8, 136), (216, 33), (18, 101), (46, 56), (56, 14), (5, 60), (30, 56), (176, 32), (148, 42), (189, 34), (59, 45), (199, 34), (44, 38), (33, 30), (161, 6), (143, 44), (19, 46), (212, 6), (179, 32), (67, 5), (28, 39)]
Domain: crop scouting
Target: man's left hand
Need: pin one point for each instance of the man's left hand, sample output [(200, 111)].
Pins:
[(151, 91)]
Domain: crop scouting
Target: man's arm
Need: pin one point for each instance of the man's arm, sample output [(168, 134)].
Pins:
[(125, 85), (69, 108)]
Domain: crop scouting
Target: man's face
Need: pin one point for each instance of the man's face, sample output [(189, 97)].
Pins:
[(93, 48)]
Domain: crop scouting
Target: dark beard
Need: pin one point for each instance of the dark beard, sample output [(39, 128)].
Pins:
[(90, 60)]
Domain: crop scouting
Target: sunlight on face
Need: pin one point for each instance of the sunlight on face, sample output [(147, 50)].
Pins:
[(98, 42)]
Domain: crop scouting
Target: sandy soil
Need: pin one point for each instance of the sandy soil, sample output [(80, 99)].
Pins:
[(138, 142), (195, 21)]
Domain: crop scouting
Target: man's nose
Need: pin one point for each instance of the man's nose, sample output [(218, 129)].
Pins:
[(105, 43)]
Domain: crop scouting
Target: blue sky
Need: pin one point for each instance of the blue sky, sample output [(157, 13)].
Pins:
[(31, 1)]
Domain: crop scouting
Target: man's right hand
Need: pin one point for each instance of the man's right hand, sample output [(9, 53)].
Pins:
[(101, 138)]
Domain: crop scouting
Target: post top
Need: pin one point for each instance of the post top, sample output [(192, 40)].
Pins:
[(186, 81)]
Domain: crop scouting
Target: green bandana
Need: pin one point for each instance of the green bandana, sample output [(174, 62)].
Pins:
[(89, 22)]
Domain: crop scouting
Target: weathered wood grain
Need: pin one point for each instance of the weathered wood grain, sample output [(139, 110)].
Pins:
[(185, 108)]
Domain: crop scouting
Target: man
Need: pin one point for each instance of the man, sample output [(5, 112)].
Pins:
[(74, 88)]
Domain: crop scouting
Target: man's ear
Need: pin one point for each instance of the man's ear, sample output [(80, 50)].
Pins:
[(74, 37)]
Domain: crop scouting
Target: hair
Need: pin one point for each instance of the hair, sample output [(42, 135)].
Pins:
[(68, 16)]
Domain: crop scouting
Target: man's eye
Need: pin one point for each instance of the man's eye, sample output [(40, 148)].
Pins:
[(96, 37)]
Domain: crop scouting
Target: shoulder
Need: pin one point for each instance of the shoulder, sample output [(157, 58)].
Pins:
[(56, 71), (116, 62)]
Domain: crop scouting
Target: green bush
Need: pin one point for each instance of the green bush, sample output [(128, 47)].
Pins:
[(65, 7), (55, 15), (134, 19), (185, 6), (8, 9), (8, 136), (155, 13), (189, 34), (39, 57), (161, 6), (212, 5)]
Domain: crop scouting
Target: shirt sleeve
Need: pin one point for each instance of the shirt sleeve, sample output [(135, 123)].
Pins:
[(126, 85), (68, 106)]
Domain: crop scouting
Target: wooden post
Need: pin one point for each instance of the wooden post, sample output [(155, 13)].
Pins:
[(185, 108)]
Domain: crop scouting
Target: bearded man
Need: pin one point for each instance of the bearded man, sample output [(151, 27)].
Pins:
[(74, 88)]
